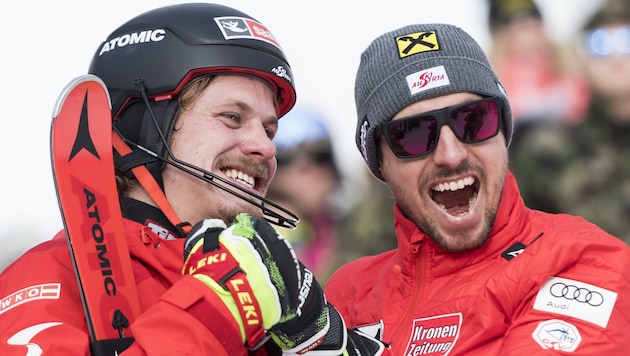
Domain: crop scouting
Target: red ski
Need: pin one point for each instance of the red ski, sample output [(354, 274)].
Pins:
[(83, 170)]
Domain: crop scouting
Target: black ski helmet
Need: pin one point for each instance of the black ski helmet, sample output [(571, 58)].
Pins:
[(164, 49)]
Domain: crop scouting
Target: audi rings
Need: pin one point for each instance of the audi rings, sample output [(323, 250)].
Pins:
[(571, 292)]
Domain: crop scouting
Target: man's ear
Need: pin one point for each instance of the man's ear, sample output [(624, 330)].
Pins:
[(379, 157)]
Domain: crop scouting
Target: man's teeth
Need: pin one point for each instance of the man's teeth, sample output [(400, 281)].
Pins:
[(239, 175), (455, 185)]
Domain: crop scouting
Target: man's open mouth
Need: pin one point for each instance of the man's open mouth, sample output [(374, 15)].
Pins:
[(456, 197)]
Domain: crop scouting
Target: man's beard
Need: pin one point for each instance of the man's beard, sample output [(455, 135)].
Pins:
[(229, 213), (463, 241)]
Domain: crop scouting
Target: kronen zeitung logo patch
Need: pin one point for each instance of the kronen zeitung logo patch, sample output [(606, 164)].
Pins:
[(434, 335)]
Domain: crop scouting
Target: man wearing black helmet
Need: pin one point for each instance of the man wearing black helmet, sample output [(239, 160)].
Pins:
[(196, 93)]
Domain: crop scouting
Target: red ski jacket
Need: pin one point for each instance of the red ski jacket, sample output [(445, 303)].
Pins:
[(41, 312), (543, 284)]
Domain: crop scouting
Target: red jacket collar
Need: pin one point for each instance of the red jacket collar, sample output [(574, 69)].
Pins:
[(509, 225)]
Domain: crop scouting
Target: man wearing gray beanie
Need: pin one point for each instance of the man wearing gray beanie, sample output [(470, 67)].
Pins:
[(476, 272)]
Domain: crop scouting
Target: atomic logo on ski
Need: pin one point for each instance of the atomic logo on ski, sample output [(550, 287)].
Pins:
[(83, 168), (83, 138)]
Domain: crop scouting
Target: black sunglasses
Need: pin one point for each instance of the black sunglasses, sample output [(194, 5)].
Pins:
[(418, 135)]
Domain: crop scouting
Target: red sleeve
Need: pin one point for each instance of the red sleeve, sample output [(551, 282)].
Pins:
[(41, 311), (583, 310), (354, 290), (40, 308), (194, 320), (571, 299)]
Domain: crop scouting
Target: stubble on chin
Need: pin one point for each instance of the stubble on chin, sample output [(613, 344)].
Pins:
[(459, 241), (229, 213)]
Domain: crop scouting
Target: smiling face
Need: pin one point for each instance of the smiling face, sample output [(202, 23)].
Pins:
[(227, 130), (453, 193)]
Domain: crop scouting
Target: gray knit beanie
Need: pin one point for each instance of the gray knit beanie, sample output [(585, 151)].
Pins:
[(415, 63)]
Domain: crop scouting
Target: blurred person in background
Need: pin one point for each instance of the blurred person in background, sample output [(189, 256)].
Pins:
[(308, 181), (340, 220), (585, 169), (539, 75), (367, 228)]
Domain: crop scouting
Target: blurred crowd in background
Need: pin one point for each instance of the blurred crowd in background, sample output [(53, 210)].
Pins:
[(570, 152), (574, 156)]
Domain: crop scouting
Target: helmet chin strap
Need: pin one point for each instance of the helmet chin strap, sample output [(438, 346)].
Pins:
[(272, 212), (151, 186)]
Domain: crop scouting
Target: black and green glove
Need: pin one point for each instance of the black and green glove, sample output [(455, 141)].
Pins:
[(257, 275), (338, 341), (270, 294), (317, 328)]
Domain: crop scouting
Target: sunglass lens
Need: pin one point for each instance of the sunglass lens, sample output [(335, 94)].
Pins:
[(413, 137), (476, 122)]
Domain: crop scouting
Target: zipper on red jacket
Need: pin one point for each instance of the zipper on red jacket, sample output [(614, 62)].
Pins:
[(418, 287), (148, 237)]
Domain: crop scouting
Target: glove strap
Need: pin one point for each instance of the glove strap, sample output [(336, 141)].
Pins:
[(227, 272), (251, 315)]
